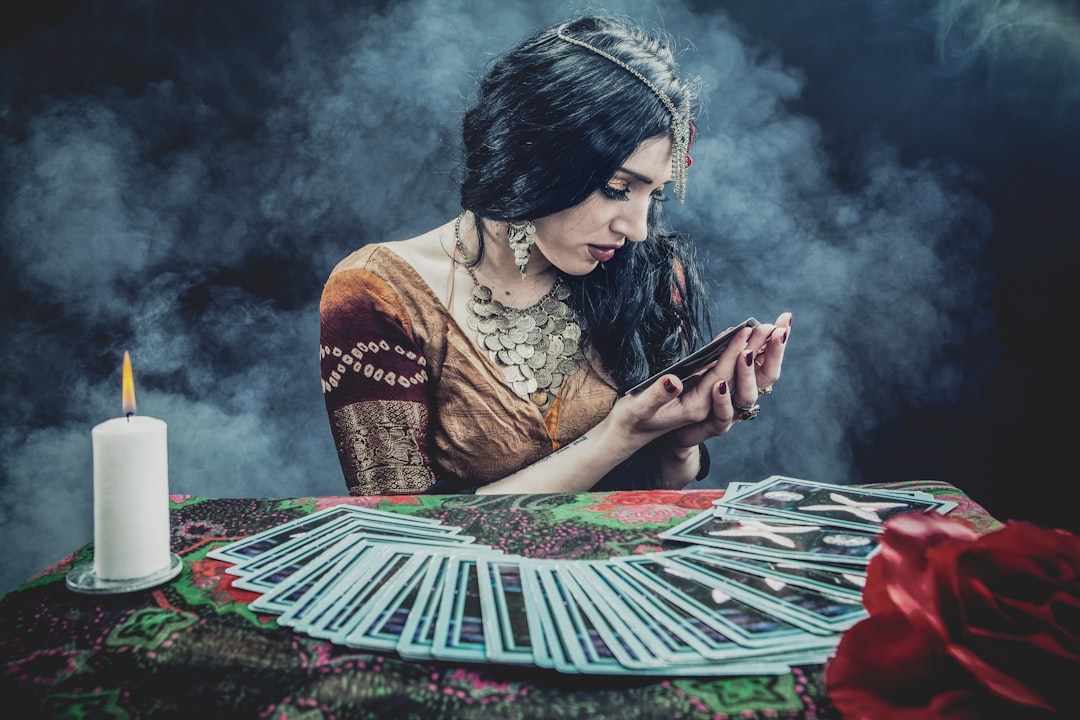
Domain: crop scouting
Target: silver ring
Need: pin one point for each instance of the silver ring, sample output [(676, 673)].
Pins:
[(765, 391), (746, 413)]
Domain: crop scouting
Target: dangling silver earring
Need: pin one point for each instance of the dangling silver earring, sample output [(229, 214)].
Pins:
[(521, 239)]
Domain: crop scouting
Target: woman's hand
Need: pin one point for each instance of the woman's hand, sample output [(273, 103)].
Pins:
[(734, 397), (712, 402)]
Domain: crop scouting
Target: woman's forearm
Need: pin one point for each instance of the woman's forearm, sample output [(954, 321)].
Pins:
[(575, 467)]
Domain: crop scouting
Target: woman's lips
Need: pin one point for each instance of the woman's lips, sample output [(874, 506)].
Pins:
[(603, 253)]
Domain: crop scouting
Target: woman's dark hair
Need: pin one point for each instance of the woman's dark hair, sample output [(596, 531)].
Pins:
[(552, 123)]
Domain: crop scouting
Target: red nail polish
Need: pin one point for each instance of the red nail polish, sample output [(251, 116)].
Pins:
[(722, 387), (749, 359), (784, 339), (668, 385)]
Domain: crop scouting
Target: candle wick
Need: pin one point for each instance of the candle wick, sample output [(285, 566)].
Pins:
[(129, 416)]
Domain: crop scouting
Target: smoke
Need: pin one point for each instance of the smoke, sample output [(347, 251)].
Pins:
[(179, 179)]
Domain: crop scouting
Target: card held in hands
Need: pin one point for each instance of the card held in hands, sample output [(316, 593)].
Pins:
[(697, 360)]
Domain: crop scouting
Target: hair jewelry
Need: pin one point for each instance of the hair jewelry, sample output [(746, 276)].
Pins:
[(521, 239), (682, 130)]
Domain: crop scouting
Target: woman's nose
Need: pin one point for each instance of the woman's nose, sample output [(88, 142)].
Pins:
[(633, 223)]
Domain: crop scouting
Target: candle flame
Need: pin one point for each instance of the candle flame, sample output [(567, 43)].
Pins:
[(127, 383)]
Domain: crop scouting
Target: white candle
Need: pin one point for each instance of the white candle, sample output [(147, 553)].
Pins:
[(131, 494)]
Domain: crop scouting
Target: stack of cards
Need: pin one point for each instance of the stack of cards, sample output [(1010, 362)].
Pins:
[(766, 579)]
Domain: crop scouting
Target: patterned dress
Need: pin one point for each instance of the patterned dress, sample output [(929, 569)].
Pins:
[(414, 405)]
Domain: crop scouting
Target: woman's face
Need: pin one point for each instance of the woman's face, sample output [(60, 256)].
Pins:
[(578, 239)]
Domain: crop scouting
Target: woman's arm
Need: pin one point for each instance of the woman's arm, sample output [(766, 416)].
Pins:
[(376, 388)]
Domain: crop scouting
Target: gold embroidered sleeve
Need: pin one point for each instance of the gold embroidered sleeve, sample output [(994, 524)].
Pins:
[(381, 447)]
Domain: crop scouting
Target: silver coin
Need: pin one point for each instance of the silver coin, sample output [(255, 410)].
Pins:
[(538, 360), (513, 373), (543, 378), (517, 335), (513, 357), (530, 385), (482, 293), (525, 351), (570, 347), (521, 388), (556, 381), (491, 342), (572, 331), (527, 322), (568, 367), (556, 346), (558, 325), (472, 322), (486, 326)]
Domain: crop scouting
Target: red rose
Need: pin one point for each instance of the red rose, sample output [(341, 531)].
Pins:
[(964, 626)]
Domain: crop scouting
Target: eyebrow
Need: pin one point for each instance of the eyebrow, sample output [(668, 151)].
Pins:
[(643, 178)]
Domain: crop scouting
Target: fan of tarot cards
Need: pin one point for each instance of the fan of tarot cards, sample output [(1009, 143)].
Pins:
[(765, 579)]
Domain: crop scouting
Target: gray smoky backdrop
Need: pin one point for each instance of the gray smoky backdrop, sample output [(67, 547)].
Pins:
[(179, 177)]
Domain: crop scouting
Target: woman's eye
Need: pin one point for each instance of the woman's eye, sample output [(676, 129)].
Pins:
[(658, 195), (616, 190)]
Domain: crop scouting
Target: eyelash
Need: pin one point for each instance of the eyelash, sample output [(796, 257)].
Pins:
[(615, 194)]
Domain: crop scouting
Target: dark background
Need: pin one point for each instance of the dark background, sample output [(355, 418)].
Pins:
[(178, 178)]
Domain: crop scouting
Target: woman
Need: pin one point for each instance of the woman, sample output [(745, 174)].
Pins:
[(492, 354)]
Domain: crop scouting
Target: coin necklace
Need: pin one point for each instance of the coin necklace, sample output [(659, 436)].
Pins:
[(536, 347)]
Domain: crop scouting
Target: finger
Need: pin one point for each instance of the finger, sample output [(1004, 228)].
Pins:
[(771, 358), (723, 410), (745, 393)]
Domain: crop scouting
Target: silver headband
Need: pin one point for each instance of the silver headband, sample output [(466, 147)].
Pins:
[(681, 132)]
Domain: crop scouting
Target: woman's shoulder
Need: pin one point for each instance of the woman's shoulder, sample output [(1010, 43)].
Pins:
[(422, 257)]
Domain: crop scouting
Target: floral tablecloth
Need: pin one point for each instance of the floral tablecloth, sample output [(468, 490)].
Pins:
[(192, 647)]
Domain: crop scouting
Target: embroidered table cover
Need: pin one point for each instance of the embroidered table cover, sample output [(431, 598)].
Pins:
[(192, 648)]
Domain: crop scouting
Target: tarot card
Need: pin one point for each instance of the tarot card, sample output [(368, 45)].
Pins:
[(813, 610), (585, 643), (539, 603), (711, 644), (846, 581), (246, 548), (418, 630), (266, 571), (345, 598), (283, 595), (840, 505), (323, 587), (742, 622), (374, 588), (381, 626), (697, 360), (777, 537), (459, 626), (662, 642), (720, 654), (511, 632)]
